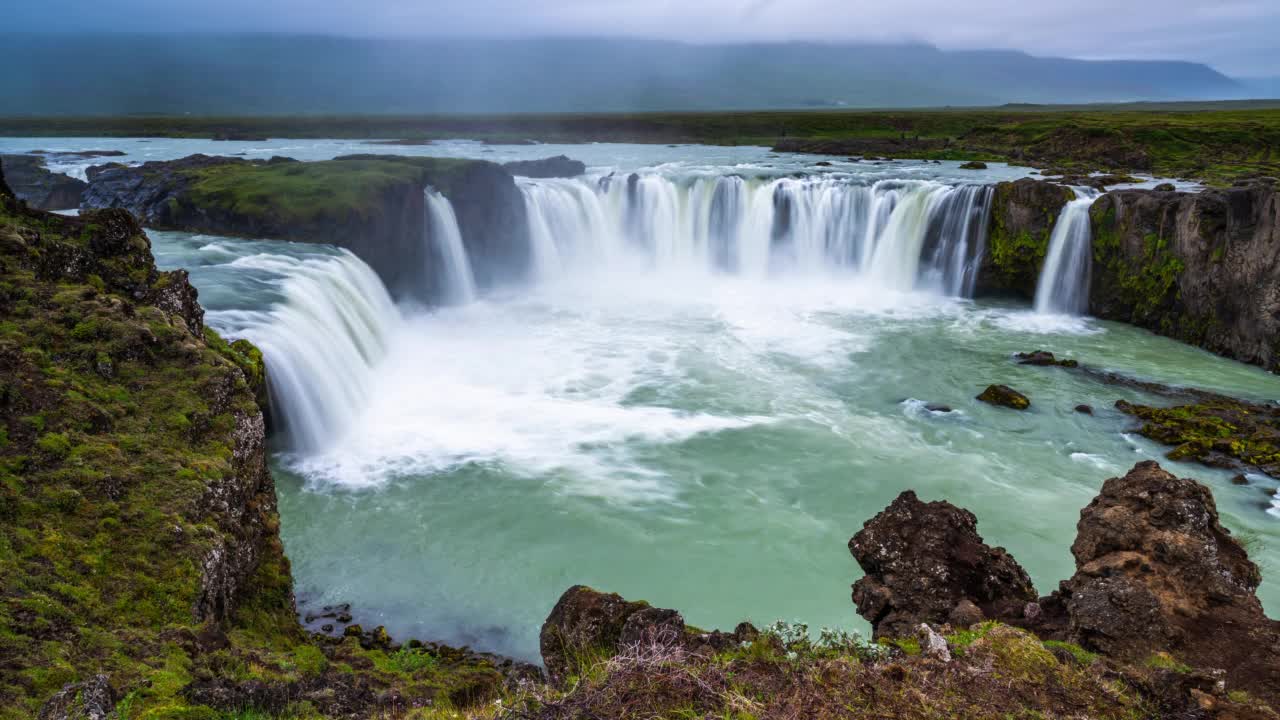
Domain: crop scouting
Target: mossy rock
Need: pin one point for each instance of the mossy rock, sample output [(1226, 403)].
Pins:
[(1004, 396)]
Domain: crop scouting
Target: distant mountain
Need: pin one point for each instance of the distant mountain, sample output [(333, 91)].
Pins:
[(1260, 87), (277, 74)]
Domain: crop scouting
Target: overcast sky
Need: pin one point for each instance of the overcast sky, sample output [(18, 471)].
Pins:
[(1238, 37)]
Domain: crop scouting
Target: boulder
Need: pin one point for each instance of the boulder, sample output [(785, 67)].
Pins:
[(93, 699), (1004, 396), (587, 626), (30, 180), (974, 165), (926, 563), (1156, 572), (559, 166)]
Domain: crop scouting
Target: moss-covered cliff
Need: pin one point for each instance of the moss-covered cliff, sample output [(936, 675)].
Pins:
[(140, 562), (370, 204), (1023, 214), (1203, 268)]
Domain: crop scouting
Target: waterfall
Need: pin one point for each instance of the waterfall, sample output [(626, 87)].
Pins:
[(902, 234), (1063, 287), (321, 342), (453, 278)]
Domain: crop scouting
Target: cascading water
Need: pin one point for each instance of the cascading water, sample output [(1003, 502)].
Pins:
[(901, 234), (321, 342), (452, 269), (1063, 287)]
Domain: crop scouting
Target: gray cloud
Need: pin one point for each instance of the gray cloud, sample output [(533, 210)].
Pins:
[(1235, 36)]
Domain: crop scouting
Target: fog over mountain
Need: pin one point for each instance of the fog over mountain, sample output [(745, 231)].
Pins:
[(276, 74)]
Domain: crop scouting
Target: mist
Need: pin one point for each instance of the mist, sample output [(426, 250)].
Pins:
[(270, 74)]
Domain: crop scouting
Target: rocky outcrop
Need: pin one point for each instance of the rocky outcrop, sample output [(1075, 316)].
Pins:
[(39, 187), (587, 626), (1043, 358), (1157, 573), (1023, 214), (1215, 430), (372, 205), (926, 563), (559, 166), (1203, 267)]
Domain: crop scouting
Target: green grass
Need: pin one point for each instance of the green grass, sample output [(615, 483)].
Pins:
[(1213, 141), (1082, 656)]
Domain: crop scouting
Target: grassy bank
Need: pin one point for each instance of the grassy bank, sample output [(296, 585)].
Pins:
[(1217, 142)]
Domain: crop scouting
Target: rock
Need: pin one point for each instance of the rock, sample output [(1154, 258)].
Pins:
[(924, 562), (1197, 267), (1216, 430), (559, 166), (974, 165), (932, 645), (587, 626), (93, 699), (965, 614), (1004, 396), (582, 622), (822, 163), (1043, 358), (1165, 187), (1157, 572), (31, 181), (1023, 214), (1239, 480), (1084, 409), (938, 408)]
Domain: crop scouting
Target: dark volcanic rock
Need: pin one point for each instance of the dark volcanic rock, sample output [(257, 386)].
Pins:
[(1004, 396), (1023, 214), (92, 699), (31, 181), (1217, 431), (926, 563), (1157, 572), (582, 622), (1084, 409), (974, 165), (1199, 267), (587, 625), (559, 166)]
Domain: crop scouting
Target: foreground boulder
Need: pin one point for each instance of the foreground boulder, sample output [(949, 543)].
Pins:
[(926, 563), (1157, 573), (38, 186), (587, 626)]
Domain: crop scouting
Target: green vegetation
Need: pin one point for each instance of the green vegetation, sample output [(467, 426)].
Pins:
[(1082, 656), (1147, 287), (295, 194), (1216, 142), (1165, 661), (117, 429), (1217, 430)]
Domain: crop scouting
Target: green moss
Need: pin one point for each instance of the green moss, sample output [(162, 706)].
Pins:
[(1082, 656), (1165, 661)]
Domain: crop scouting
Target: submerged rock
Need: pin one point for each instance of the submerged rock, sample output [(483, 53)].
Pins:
[(1084, 409), (926, 563), (1004, 396), (1217, 431), (974, 165), (1044, 358)]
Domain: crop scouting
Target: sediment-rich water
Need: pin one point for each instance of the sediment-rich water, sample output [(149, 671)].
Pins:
[(717, 376)]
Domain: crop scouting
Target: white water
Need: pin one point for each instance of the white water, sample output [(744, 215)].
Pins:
[(455, 280), (901, 234), (322, 341), (1063, 287)]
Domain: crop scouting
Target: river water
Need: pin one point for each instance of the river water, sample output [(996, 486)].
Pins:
[(650, 418)]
